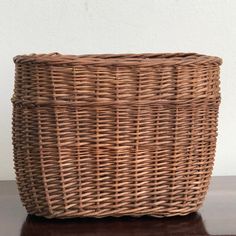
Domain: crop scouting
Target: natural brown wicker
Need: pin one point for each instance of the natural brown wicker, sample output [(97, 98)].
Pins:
[(114, 135)]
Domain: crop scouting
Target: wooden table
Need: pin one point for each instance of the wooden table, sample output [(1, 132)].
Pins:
[(216, 217)]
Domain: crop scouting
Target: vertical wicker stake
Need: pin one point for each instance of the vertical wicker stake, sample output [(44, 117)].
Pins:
[(114, 135)]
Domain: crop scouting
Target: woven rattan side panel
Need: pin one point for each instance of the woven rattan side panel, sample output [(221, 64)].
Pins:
[(114, 140)]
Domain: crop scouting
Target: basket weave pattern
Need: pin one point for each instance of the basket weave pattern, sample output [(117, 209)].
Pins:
[(113, 135)]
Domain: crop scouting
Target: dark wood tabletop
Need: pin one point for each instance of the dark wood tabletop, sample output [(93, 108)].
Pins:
[(216, 217)]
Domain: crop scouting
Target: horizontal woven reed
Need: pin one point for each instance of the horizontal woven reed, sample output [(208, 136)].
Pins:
[(114, 135)]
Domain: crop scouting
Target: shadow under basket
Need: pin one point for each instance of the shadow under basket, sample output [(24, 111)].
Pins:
[(114, 135)]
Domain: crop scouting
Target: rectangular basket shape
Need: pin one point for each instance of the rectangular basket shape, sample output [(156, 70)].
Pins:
[(114, 135)]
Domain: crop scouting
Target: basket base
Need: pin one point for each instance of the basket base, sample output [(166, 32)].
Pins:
[(67, 215)]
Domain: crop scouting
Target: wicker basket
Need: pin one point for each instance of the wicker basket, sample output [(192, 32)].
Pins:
[(114, 135)]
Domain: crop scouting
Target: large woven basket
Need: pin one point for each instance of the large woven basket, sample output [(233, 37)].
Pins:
[(114, 135)]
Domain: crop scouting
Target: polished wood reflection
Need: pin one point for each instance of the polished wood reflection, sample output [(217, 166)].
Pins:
[(216, 217), (144, 226)]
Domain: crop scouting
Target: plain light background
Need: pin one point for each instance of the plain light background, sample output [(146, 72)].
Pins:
[(120, 26)]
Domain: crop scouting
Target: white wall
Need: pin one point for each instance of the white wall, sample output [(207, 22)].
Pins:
[(115, 26)]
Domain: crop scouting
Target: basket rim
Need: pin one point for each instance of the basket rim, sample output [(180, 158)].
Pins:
[(143, 59)]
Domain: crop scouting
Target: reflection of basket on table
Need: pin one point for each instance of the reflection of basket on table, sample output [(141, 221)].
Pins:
[(145, 226)]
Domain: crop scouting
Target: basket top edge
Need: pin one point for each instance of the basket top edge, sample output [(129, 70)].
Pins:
[(145, 59)]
